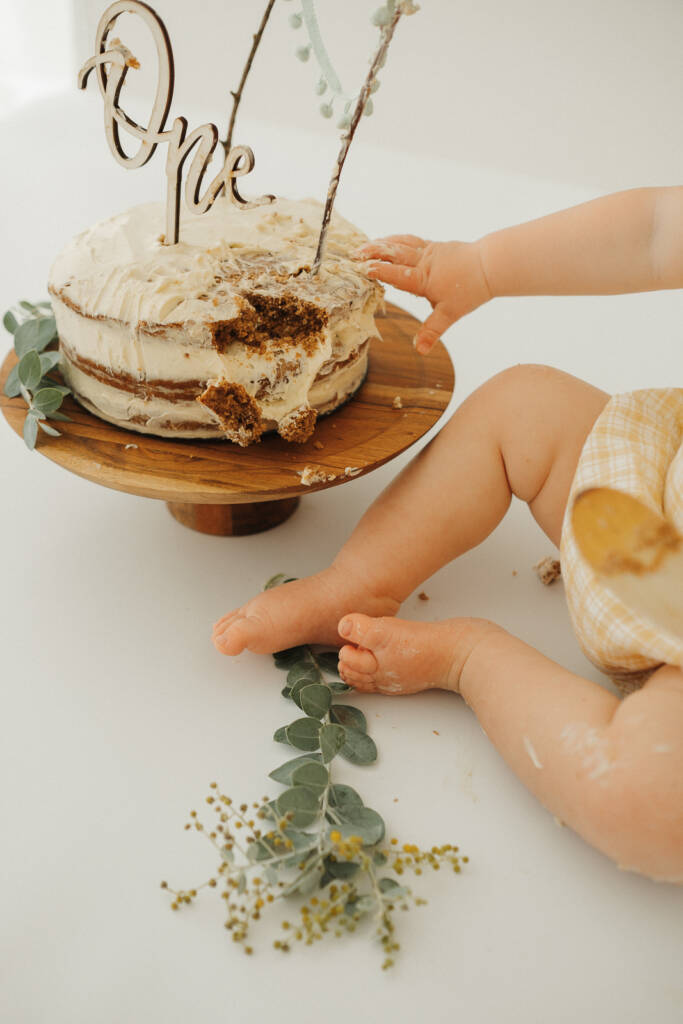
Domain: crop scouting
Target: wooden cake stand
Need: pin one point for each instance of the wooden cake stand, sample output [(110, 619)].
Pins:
[(220, 488)]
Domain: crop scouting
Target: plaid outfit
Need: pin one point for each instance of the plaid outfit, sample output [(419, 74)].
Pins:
[(635, 446)]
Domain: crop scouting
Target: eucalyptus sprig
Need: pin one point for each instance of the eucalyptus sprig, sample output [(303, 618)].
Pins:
[(329, 83), (317, 840), (33, 333)]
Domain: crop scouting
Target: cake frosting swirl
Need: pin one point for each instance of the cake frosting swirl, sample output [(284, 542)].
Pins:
[(226, 333)]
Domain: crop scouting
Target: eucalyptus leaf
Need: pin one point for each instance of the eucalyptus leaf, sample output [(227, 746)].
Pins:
[(303, 670), (329, 661), (286, 692), (302, 803), (48, 399), (34, 335), (288, 657), (13, 385), (359, 747), (304, 733), (263, 849), (360, 905), (341, 868), (280, 735), (60, 416), (30, 306), (241, 882), (285, 772), (337, 686), (29, 370), (30, 431), (48, 382), (342, 796), (306, 881), (347, 715), (301, 684), (363, 822), (389, 885), (315, 700), (275, 580), (332, 740), (49, 430), (48, 361), (311, 774), (24, 394), (10, 322)]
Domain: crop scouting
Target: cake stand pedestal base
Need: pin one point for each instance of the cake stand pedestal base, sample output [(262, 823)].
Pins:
[(233, 520)]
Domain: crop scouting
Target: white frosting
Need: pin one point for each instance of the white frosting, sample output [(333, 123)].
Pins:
[(120, 269), (162, 417), (131, 305)]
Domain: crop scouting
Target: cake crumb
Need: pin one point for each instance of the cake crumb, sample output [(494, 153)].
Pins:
[(397, 402), (548, 570), (422, 596), (352, 471), (298, 425), (130, 446), (319, 445), (514, 572), (312, 475), (237, 412), (436, 732)]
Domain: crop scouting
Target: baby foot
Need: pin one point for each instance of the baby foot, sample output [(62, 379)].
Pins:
[(395, 656), (304, 611)]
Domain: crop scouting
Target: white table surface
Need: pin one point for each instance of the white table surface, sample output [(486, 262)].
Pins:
[(117, 712)]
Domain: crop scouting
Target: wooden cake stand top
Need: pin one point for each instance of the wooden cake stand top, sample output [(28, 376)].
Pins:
[(354, 440)]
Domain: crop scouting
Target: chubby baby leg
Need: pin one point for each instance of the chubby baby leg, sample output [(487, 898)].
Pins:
[(520, 433)]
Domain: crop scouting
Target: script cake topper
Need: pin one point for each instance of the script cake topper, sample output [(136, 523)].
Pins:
[(112, 62)]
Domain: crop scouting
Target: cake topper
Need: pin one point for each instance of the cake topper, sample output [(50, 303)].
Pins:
[(112, 62)]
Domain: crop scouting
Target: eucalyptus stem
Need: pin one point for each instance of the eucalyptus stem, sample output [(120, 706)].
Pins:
[(347, 138), (237, 95)]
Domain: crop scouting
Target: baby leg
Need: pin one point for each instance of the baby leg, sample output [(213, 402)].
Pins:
[(520, 433), (610, 769)]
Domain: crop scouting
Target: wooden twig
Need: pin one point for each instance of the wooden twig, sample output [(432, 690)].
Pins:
[(237, 95), (364, 95)]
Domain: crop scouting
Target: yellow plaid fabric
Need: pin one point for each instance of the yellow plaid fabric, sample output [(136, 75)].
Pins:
[(636, 446)]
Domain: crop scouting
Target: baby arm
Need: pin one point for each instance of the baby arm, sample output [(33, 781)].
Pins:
[(611, 769), (627, 242)]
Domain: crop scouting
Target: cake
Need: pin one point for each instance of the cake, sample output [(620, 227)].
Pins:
[(226, 334)]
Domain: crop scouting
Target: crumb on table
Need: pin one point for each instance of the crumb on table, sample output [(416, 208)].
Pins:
[(319, 445), (397, 402), (315, 475), (130, 446), (352, 470), (548, 570), (422, 596)]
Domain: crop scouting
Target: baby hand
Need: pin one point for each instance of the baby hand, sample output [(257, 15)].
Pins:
[(449, 274)]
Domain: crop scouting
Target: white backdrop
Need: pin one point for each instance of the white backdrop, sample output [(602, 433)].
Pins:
[(532, 85), (116, 710)]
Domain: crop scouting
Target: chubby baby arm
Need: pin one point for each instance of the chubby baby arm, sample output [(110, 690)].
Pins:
[(626, 242)]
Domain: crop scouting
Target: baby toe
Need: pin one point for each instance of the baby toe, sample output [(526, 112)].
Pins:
[(358, 629), (357, 659), (359, 680), (225, 621), (236, 637)]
